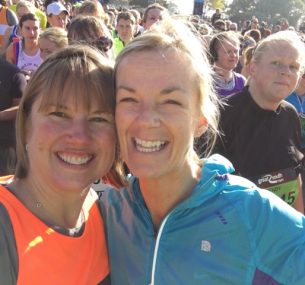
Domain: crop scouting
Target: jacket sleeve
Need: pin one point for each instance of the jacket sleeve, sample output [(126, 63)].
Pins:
[(8, 253), (278, 233)]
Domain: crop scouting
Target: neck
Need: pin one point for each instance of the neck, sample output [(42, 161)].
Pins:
[(30, 46), (260, 99), (163, 194), (223, 73), (53, 208)]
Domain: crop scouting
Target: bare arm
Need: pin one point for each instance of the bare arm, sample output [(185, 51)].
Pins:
[(9, 55), (9, 114), (6, 40)]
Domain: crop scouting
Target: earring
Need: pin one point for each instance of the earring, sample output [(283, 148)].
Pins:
[(26, 147)]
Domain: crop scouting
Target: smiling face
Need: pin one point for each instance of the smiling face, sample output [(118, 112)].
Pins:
[(275, 75), (156, 113), (69, 146)]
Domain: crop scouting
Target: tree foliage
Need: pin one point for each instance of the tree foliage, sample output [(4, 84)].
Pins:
[(145, 3), (217, 4), (266, 10)]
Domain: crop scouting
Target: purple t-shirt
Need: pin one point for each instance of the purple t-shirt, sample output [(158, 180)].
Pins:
[(237, 84)]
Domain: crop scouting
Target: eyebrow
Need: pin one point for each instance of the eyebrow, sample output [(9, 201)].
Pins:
[(163, 92), (129, 89), (63, 107)]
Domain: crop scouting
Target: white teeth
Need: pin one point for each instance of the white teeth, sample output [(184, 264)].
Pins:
[(148, 146), (77, 160)]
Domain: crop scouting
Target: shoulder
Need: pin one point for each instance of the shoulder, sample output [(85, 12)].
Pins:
[(286, 105), (289, 111), (235, 104), (255, 204), (112, 197), (239, 76)]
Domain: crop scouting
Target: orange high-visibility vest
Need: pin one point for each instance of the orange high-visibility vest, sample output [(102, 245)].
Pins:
[(48, 257), (3, 23)]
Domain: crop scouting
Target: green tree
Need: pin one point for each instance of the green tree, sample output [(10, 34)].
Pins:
[(217, 4), (144, 3), (266, 10)]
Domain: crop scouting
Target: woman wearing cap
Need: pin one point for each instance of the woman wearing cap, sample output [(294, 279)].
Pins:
[(58, 15)]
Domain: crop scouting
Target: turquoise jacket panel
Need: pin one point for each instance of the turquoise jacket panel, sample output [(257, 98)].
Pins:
[(227, 232)]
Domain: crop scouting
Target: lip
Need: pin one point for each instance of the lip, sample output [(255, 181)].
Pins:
[(282, 83)]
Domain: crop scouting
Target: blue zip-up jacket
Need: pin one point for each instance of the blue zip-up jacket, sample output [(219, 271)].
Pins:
[(227, 232)]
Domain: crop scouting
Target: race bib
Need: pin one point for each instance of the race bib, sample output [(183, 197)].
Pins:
[(283, 183)]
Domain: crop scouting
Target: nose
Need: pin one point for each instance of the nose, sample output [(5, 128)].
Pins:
[(78, 133), (284, 69), (149, 116)]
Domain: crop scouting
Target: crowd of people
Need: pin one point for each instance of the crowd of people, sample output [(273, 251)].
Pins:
[(141, 147)]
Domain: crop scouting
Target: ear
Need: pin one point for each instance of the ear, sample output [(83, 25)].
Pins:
[(201, 128), (252, 68)]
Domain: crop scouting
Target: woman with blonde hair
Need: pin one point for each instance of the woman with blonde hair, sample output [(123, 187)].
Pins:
[(93, 8), (182, 219), (261, 131), (52, 39)]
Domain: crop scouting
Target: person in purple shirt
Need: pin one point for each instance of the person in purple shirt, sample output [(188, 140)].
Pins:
[(224, 52)]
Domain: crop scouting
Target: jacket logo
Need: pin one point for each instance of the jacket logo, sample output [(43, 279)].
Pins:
[(206, 246)]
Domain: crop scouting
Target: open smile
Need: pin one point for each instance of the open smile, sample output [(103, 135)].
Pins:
[(149, 145), (73, 159)]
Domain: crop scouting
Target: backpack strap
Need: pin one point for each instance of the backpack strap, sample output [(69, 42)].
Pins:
[(16, 49)]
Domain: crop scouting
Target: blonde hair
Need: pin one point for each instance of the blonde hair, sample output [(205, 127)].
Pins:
[(55, 35), (26, 4), (171, 35), (93, 8), (85, 71), (283, 37)]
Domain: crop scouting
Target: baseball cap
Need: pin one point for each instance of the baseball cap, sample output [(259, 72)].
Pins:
[(56, 8)]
